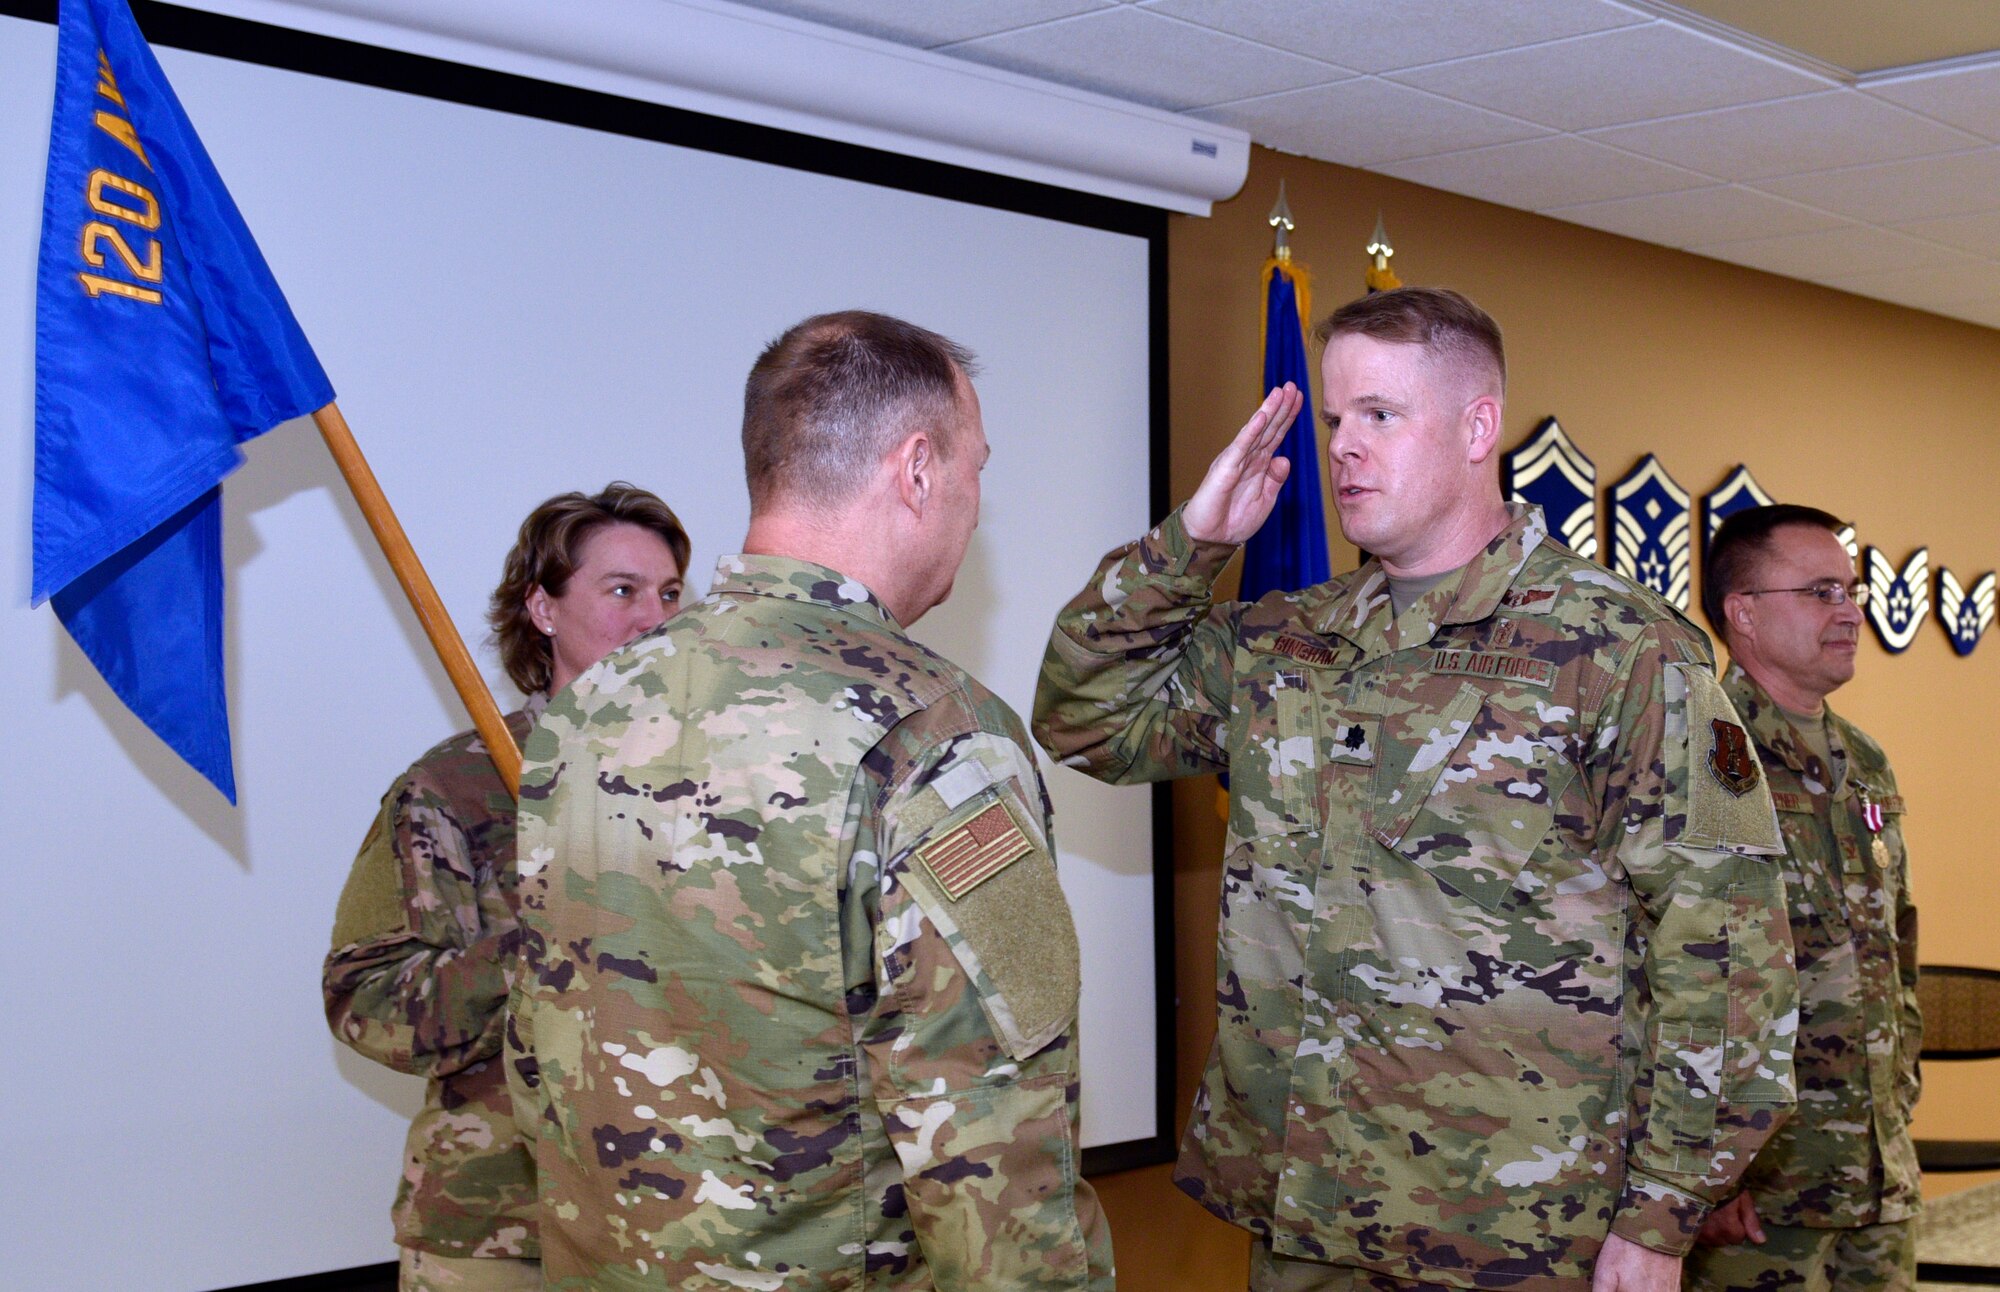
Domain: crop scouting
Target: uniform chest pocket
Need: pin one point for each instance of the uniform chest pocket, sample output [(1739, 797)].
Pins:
[(1472, 789), (1274, 763), (1811, 867)]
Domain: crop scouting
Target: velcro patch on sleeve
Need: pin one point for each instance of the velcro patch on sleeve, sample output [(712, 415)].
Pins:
[(1726, 797), (371, 902), (988, 884), (975, 850)]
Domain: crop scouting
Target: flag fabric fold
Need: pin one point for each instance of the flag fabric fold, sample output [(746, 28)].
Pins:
[(1289, 551), (162, 343)]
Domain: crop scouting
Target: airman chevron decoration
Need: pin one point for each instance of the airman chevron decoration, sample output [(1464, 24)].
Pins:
[(1898, 600), (1549, 471), (1649, 530), (1739, 491), (1965, 614)]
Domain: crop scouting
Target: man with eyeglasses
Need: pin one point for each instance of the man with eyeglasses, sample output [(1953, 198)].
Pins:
[(1831, 1201)]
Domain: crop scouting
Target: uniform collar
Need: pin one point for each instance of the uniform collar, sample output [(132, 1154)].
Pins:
[(1361, 612), (1774, 732), (794, 580)]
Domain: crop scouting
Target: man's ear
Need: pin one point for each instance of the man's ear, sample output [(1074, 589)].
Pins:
[(1736, 609), (1483, 414), (915, 461)]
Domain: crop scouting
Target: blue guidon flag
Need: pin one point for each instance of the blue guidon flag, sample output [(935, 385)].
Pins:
[(162, 343)]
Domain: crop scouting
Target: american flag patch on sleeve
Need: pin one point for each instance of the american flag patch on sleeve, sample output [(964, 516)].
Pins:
[(976, 850)]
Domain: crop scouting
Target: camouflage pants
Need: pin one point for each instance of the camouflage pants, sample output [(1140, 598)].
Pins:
[(1871, 1258), (1270, 1272), (429, 1272)]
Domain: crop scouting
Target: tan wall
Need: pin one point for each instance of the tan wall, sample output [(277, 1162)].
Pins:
[(1880, 414)]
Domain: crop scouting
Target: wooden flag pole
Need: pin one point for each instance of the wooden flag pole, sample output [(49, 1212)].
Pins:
[(450, 647)]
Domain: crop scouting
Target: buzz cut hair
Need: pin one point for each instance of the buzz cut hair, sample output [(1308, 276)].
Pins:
[(1454, 332), (833, 396), (1740, 543)]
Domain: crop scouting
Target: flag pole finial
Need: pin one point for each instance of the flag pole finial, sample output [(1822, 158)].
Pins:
[(1380, 278), (1281, 222)]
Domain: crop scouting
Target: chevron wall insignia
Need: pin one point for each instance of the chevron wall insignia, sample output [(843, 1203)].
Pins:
[(1966, 615), (1649, 530), (1853, 544), (1734, 494), (1549, 471), (1898, 600)]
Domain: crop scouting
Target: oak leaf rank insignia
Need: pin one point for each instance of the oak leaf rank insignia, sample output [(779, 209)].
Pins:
[(1733, 765)]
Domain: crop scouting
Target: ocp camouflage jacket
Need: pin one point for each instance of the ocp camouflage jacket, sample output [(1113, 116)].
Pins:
[(1497, 968), (424, 950), (1846, 1157), (802, 988)]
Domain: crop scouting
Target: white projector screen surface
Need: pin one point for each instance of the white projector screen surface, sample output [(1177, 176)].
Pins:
[(509, 307)]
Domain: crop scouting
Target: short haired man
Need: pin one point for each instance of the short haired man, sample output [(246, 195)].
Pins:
[(802, 985), (1500, 1005), (1832, 1200)]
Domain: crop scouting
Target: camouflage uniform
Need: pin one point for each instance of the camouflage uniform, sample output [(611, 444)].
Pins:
[(801, 998), (1794, 1258), (424, 948), (1496, 969), (1845, 1160)]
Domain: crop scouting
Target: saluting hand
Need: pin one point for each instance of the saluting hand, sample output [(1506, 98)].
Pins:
[(1242, 483)]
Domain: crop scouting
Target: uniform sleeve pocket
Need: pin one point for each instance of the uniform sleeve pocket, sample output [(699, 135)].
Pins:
[(989, 1177), (1759, 1070), (1475, 800), (988, 887), (1687, 1087)]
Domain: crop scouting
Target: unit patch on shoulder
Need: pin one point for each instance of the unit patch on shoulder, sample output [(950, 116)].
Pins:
[(1730, 760), (976, 850), (1511, 668)]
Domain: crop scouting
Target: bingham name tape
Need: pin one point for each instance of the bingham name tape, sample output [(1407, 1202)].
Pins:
[(971, 853), (1513, 668)]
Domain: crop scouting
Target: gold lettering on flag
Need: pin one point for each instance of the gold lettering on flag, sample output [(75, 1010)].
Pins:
[(973, 852)]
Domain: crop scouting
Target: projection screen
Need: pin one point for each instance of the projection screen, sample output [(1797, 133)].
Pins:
[(510, 304)]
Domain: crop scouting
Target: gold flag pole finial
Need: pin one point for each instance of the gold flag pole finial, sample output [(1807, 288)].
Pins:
[(1281, 221), (1380, 277)]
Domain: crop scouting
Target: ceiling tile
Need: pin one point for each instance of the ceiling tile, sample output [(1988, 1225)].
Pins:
[(1968, 98), (1827, 253), (1373, 37), (1367, 122), (1929, 288), (1978, 233), (1535, 174), (1813, 132), (1146, 58), (926, 22), (1895, 192), (1614, 77), (1697, 217)]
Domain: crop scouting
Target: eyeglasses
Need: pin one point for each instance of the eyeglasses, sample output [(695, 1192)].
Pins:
[(1830, 592)]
